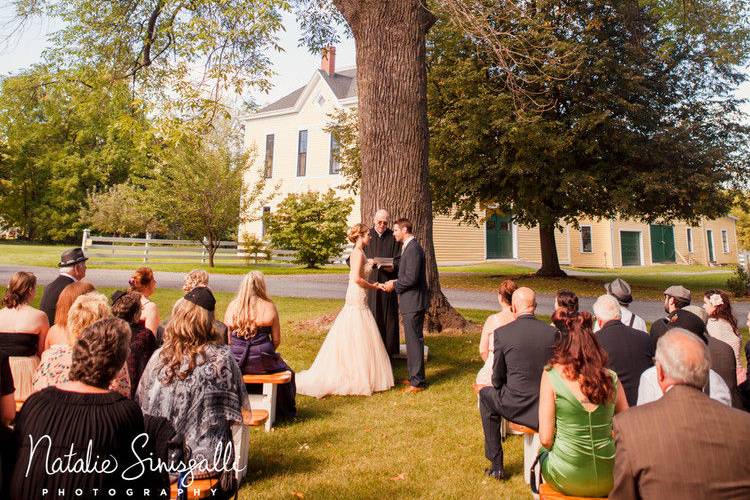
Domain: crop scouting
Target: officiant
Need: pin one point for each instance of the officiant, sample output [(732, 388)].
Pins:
[(384, 306)]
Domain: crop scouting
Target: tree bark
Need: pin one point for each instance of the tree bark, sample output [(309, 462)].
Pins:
[(550, 260), (393, 136)]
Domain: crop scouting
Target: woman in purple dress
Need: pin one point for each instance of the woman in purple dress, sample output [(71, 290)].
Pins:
[(255, 335)]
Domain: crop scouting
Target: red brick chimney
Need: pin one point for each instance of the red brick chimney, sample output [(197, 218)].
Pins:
[(328, 61)]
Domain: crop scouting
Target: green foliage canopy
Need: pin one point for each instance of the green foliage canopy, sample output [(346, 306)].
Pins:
[(313, 224)]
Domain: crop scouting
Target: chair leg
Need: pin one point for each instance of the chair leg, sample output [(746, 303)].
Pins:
[(270, 391)]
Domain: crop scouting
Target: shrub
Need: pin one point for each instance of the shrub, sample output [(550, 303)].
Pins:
[(313, 224), (255, 248), (738, 283)]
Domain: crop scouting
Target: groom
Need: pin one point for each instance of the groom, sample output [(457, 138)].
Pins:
[(411, 287)]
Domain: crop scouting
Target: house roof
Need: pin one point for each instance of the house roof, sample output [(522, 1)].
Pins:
[(343, 84)]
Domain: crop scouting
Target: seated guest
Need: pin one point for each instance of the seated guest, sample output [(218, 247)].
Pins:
[(684, 445), (567, 300), (7, 415), (82, 417), (199, 277), (194, 382), (692, 319), (72, 269), (143, 282), (23, 329), (492, 323), (578, 398), (722, 325), (522, 348), (255, 335), (56, 361), (620, 290), (58, 333), (675, 298), (127, 307), (629, 351)]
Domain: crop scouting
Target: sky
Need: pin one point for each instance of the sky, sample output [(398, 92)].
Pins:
[(294, 66)]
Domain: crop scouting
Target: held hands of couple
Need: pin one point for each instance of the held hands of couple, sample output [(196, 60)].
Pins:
[(388, 286)]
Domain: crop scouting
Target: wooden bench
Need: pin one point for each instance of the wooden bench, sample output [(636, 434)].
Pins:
[(547, 492), (267, 400), (254, 418), (199, 488), (530, 447)]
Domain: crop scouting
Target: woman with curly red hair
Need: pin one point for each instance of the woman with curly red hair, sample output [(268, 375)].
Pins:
[(722, 324), (578, 398)]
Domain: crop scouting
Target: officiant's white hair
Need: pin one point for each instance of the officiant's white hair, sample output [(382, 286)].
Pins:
[(381, 212)]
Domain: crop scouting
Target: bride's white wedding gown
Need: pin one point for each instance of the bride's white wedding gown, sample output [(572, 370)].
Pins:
[(352, 359)]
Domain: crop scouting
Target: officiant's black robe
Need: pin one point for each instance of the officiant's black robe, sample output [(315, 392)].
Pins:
[(384, 306)]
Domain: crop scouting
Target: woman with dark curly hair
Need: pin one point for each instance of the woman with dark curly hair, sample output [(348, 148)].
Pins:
[(578, 398), (566, 305), (194, 381), (82, 417), (722, 324), (127, 306)]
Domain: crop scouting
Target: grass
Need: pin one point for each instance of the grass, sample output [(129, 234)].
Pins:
[(647, 282)]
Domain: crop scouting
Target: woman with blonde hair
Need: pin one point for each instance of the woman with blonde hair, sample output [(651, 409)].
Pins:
[(722, 324), (492, 323), (194, 382), (56, 361), (58, 333), (23, 330), (352, 359), (143, 282), (255, 335)]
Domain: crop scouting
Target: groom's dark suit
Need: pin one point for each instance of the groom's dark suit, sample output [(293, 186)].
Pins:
[(411, 287)]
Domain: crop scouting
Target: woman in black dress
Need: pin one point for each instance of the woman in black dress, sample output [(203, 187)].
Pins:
[(255, 334), (127, 307), (79, 415)]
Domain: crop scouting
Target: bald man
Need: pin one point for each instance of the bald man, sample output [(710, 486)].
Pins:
[(684, 445), (522, 348)]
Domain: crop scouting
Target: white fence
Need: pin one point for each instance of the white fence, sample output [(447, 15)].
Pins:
[(116, 250)]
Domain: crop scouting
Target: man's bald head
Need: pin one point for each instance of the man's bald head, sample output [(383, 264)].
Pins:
[(524, 301), (682, 359)]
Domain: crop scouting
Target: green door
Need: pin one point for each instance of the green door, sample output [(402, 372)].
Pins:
[(630, 247), (662, 243), (710, 241), (499, 237)]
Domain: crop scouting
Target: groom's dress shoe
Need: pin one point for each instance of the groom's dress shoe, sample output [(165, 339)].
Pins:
[(498, 474), (412, 389)]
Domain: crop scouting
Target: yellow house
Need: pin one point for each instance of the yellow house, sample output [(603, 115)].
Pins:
[(295, 152)]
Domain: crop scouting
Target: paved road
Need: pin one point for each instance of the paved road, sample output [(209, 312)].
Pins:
[(330, 286)]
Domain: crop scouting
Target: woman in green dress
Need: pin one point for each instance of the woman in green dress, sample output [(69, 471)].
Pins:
[(578, 399)]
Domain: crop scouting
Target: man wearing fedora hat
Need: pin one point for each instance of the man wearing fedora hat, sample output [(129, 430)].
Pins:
[(620, 290), (72, 268)]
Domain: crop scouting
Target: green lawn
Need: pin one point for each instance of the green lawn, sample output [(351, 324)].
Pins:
[(646, 282)]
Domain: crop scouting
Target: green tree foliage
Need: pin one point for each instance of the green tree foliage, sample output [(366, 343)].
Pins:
[(344, 127), (198, 190), (185, 56), (741, 210), (313, 224), (121, 211), (631, 132), (65, 134)]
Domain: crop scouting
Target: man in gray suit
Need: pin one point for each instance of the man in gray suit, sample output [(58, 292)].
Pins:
[(684, 445), (411, 287)]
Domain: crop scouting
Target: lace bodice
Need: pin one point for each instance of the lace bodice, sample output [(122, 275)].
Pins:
[(355, 294)]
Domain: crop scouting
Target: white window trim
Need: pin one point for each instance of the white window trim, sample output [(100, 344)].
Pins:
[(296, 153), (724, 239), (710, 244), (591, 235), (689, 239)]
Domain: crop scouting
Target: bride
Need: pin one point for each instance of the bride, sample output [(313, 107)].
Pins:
[(352, 359)]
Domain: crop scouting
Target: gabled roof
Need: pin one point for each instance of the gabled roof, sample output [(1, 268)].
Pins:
[(343, 84)]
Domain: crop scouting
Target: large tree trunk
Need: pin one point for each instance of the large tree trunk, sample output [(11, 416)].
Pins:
[(393, 135), (550, 261)]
